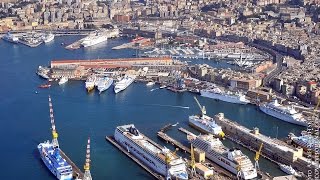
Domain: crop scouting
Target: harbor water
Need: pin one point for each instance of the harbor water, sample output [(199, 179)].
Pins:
[(24, 114)]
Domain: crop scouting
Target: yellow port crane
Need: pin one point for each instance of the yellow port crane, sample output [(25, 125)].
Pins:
[(239, 170), (192, 162), (168, 160), (256, 158)]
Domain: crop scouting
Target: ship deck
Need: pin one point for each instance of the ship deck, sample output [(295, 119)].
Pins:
[(76, 171)]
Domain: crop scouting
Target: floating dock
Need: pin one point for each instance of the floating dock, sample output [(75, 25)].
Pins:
[(224, 173), (76, 171), (112, 141)]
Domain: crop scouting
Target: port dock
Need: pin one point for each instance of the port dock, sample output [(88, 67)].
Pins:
[(76, 171), (112, 141), (75, 45), (222, 173), (273, 149)]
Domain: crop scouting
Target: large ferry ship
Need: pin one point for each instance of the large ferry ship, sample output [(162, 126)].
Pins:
[(92, 40), (104, 84), (216, 93), (230, 159), (157, 158), (123, 83), (10, 38), (90, 82), (285, 113), (51, 157), (204, 123)]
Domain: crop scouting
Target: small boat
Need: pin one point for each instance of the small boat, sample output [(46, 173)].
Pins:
[(175, 124), (289, 170), (63, 80), (45, 86), (163, 86), (151, 83)]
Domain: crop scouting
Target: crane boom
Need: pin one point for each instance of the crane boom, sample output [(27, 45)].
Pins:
[(202, 108), (258, 153)]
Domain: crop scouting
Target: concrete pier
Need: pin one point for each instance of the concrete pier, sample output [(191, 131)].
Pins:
[(76, 171)]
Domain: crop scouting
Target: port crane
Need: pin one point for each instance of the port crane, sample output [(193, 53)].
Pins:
[(53, 126), (239, 171), (87, 174), (168, 160), (256, 158), (192, 162), (202, 108)]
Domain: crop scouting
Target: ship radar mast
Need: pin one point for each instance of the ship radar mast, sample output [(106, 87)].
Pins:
[(87, 174), (53, 126)]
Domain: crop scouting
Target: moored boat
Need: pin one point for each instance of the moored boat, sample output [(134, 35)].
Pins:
[(159, 159), (123, 83), (288, 169), (104, 84), (63, 80), (90, 82)]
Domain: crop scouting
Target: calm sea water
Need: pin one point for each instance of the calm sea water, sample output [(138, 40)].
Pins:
[(24, 115)]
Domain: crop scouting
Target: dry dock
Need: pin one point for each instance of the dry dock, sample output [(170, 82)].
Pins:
[(112, 141), (224, 174), (76, 171), (273, 149)]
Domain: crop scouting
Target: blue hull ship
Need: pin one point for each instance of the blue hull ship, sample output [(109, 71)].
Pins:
[(54, 162)]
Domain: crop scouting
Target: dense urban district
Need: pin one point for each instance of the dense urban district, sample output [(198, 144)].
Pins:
[(270, 50)]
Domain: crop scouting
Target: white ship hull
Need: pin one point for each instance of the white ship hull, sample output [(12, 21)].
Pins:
[(281, 116), (203, 128), (49, 38), (104, 86), (94, 41), (122, 85), (150, 160), (224, 97)]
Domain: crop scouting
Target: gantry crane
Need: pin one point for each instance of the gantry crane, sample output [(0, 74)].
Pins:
[(202, 108), (256, 158), (53, 126), (192, 162)]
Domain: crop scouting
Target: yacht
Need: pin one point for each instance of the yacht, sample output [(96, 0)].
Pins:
[(10, 38), (48, 38)]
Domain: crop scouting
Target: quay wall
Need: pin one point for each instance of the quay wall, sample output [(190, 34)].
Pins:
[(273, 149)]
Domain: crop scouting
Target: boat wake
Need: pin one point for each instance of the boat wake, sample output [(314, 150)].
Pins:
[(162, 105), (154, 89)]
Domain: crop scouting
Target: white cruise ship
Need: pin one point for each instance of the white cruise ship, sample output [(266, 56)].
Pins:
[(92, 40), (285, 113), (48, 38), (230, 159), (150, 153), (123, 83), (216, 93), (90, 82), (206, 124), (104, 84)]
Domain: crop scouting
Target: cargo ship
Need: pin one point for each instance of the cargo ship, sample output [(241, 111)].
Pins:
[(123, 83), (226, 96), (159, 159), (284, 113), (232, 160)]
